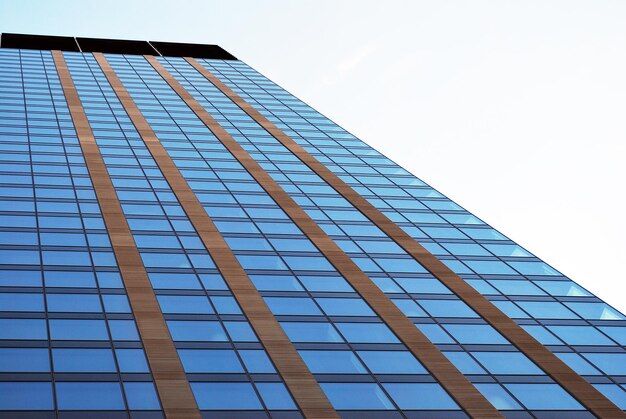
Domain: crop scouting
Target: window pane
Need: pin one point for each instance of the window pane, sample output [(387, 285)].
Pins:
[(226, 396), (141, 396), (209, 361), (78, 330), (83, 360), (311, 332), (543, 397), (332, 362), (367, 333), (276, 396), (498, 397), (196, 330), (24, 360), (423, 396), (356, 396), (507, 363), (89, 396), (391, 362), (26, 396)]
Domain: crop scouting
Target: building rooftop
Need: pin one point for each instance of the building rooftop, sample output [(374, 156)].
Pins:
[(114, 46)]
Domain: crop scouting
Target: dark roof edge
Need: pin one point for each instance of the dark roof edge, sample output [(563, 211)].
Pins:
[(115, 46)]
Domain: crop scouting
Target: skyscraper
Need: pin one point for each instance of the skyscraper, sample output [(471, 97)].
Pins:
[(182, 238)]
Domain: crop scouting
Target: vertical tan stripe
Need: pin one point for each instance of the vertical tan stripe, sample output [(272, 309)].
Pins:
[(584, 392), (169, 377), (306, 391), (455, 383)]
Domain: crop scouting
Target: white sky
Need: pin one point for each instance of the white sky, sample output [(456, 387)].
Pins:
[(514, 109)]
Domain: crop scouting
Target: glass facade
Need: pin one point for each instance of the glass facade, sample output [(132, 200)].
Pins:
[(69, 341)]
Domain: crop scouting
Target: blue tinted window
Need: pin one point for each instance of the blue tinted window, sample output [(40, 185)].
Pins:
[(292, 306), (275, 396), (435, 333), (256, 361), (543, 397), (226, 305), (66, 258), (83, 360), (23, 329), (498, 397), (78, 330), (506, 363), (174, 281), (534, 268), (596, 311), (489, 267), (464, 363), (391, 362), (308, 263), (196, 330), (123, 330), (400, 265), (563, 288), (344, 307), (240, 332), (512, 287), (611, 363), (422, 396), (356, 396), (409, 308), (311, 332), (275, 283), (213, 282), (24, 360), (26, 396), (617, 333), (466, 249), (19, 257), (542, 335), (578, 363), (380, 247), (367, 333), (447, 308), (225, 396), (248, 243), (141, 396), (116, 303), (422, 286), (475, 334), (185, 304), (21, 302), (87, 303), (209, 361), (261, 262), (332, 362), (580, 335), (89, 396), (507, 250), (131, 360), (293, 245), (547, 310), (165, 260), (325, 283)]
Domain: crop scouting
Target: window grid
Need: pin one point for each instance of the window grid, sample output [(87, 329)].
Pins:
[(326, 141), (97, 90), (53, 203)]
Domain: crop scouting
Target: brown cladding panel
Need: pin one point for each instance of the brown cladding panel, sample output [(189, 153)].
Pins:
[(169, 377), (306, 392), (577, 386), (440, 367)]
